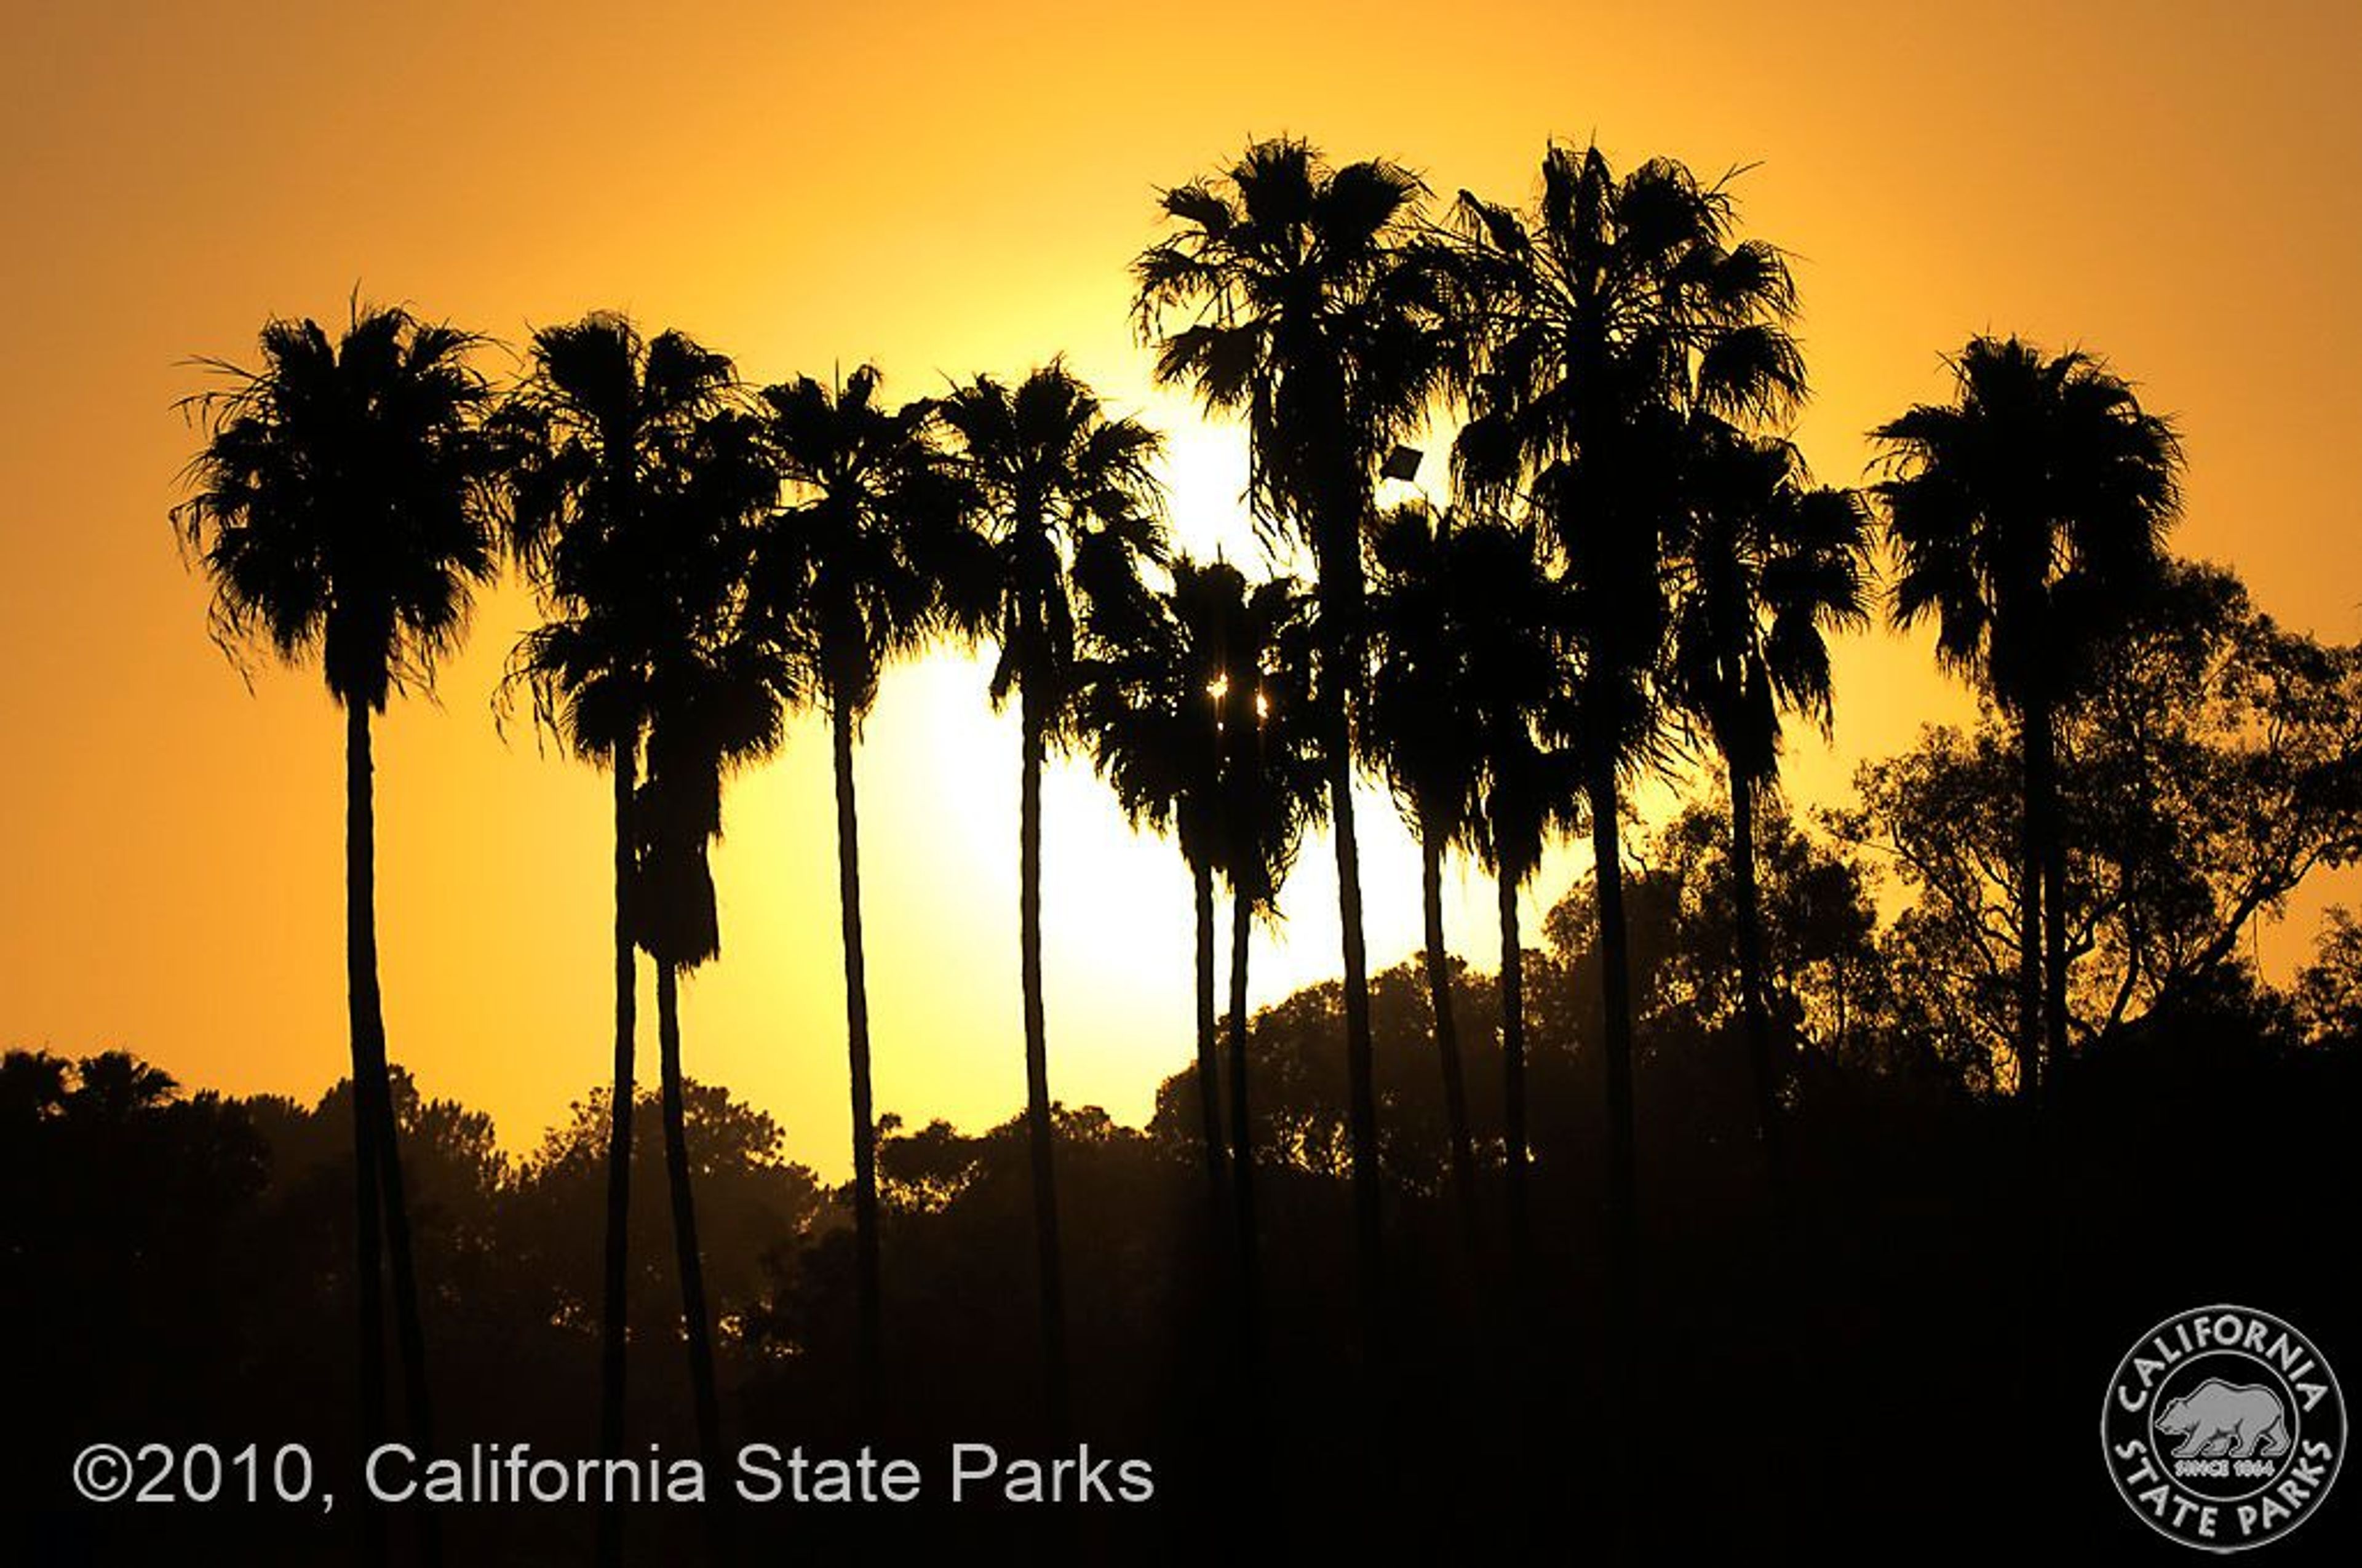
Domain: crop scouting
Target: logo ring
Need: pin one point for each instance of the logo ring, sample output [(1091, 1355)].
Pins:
[(2223, 1428)]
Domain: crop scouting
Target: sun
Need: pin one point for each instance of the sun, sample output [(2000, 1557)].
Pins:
[(1204, 468)]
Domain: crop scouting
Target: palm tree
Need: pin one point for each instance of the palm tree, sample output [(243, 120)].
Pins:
[(715, 702), (602, 415), (2025, 516), (340, 509), (1065, 496), (1766, 565), (1150, 707), (1419, 731), (1511, 633), (1466, 626), (1307, 313), (849, 578), (1272, 785), (1604, 315)]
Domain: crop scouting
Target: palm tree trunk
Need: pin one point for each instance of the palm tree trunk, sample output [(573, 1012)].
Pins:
[(1361, 1104), (372, 1077), (1039, 1131), (614, 1292), (2034, 741), (1447, 1029), (377, 1158), (1341, 512), (1512, 1074), (687, 1258), (1615, 992), (409, 1333), (1621, 1342), (1242, 1158), (369, 1277), (1747, 903), (1209, 1096), (1251, 1395), (856, 1036)]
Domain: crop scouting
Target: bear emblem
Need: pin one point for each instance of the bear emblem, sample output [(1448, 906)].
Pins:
[(2218, 1420)]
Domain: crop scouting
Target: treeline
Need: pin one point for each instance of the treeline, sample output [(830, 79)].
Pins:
[(1637, 574), (177, 1267)]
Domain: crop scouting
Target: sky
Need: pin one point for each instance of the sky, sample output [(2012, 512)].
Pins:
[(949, 189)]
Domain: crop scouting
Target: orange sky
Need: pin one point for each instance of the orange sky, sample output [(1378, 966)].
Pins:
[(950, 189)]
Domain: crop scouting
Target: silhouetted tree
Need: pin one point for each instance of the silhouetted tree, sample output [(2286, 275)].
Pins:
[(1467, 647), (850, 577), (601, 414), (1309, 314), (1511, 633), (1419, 727), (1821, 983), (716, 690), (2328, 989), (1150, 708), (1765, 564), (1607, 312), (338, 511), (1272, 783), (2210, 763), (1066, 497), (2023, 516), (751, 1200)]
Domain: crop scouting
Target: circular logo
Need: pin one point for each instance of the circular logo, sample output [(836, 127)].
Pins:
[(2223, 1428)]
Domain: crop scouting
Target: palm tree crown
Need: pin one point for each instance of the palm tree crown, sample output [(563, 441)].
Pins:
[(603, 420), (339, 508), (855, 565), (1272, 780), (1062, 493), (1604, 315), (717, 688), (1306, 315), (1152, 701), (1420, 729), (2042, 491), (1766, 565)]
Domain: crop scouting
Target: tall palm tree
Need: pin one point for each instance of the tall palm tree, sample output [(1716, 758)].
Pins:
[(601, 417), (1066, 497), (1272, 786), (1149, 707), (2027, 515), (1467, 628), (1512, 636), (1604, 313), (1766, 565), (1304, 307), (340, 510), (849, 578), (717, 690), (1420, 732)]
